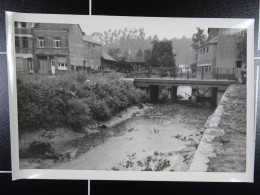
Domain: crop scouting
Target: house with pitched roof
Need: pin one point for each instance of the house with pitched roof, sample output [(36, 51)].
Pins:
[(47, 48), (220, 56), (107, 62)]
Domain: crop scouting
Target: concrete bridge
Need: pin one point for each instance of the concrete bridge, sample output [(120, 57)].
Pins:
[(151, 85)]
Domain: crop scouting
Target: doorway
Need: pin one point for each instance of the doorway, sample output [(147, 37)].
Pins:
[(43, 65)]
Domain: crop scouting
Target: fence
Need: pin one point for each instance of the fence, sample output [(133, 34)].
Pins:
[(184, 73)]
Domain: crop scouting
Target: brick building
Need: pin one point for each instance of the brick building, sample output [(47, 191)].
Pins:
[(219, 56), (55, 48), (24, 47)]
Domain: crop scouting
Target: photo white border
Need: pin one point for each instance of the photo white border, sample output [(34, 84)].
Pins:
[(130, 175)]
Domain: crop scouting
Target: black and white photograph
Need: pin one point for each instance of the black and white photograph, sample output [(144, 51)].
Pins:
[(132, 95)]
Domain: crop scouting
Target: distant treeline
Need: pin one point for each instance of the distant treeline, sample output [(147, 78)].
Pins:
[(132, 45)]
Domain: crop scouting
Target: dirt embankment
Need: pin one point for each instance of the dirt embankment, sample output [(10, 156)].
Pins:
[(223, 146), (43, 148)]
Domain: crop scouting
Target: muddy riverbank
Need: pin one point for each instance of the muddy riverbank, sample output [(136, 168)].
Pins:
[(158, 137)]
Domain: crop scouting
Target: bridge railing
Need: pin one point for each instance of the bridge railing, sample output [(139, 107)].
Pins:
[(185, 73), (155, 72)]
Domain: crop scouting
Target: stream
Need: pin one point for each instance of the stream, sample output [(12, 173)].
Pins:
[(159, 137)]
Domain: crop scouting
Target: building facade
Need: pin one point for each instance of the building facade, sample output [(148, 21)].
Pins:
[(24, 47), (93, 53), (56, 49), (219, 56)]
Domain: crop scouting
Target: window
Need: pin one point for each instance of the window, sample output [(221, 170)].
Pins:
[(204, 50), (209, 68), (207, 49), (56, 43), (25, 42), (40, 42), (17, 44), (52, 62), (201, 51), (62, 66), (206, 68), (239, 64), (15, 24), (62, 63), (23, 24)]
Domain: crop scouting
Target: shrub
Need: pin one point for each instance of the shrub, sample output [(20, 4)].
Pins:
[(78, 114), (66, 100)]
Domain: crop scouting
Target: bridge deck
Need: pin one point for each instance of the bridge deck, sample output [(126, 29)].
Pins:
[(146, 82)]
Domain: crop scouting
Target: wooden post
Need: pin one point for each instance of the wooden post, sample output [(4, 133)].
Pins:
[(227, 73), (202, 72)]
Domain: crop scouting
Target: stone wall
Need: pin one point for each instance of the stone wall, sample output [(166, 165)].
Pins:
[(223, 145)]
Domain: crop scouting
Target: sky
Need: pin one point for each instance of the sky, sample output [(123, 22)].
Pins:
[(162, 27)]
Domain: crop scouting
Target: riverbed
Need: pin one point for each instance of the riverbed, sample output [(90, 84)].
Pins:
[(162, 137), (155, 137)]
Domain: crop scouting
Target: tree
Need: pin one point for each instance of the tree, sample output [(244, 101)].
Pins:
[(185, 54), (198, 39), (193, 67), (139, 56), (125, 56), (147, 56), (115, 53), (162, 54)]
